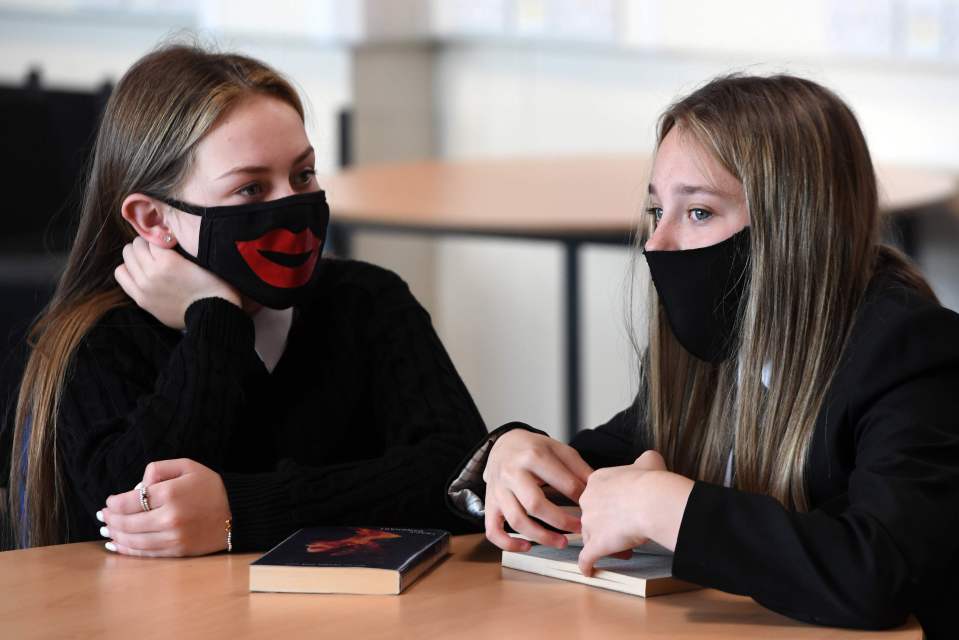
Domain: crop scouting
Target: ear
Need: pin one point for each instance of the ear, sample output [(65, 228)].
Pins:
[(147, 217)]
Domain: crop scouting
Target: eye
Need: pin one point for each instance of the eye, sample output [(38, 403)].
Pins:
[(700, 215), (305, 176), (251, 190), (656, 212)]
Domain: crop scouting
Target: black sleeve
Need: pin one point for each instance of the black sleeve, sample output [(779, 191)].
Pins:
[(861, 559), (618, 442), (120, 413), (430, 423)]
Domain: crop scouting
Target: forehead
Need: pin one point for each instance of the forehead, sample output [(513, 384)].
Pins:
[(257, 130), (682, 160)]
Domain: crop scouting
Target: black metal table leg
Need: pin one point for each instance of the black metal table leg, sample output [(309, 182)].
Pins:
[(340, 240), (571, 249)]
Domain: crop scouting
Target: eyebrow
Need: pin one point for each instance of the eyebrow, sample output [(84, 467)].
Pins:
[(264, 169), (690, 189)]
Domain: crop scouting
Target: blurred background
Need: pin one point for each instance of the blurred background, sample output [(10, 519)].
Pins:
[(392, 81)]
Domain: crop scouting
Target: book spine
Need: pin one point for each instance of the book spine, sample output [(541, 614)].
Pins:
[(436, 547)]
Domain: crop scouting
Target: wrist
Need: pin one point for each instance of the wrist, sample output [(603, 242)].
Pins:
[(230, 296), (663, 496)]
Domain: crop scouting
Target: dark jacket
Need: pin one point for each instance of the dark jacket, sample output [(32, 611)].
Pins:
[(881, 539)]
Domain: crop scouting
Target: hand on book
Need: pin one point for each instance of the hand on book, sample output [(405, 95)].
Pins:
[(519, 464), (624, 507), (188, 511)]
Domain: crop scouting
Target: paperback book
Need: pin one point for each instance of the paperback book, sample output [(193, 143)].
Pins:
[(647, 573), (362, 560)]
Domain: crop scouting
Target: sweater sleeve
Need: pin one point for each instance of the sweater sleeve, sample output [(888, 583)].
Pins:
[(617, 442), (429, 421), (862, 558), (119, 413)]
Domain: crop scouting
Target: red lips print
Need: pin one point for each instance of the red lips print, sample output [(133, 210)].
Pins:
[(284, 242)]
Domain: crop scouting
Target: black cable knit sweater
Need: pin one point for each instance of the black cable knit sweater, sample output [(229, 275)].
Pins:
[(362, 421)]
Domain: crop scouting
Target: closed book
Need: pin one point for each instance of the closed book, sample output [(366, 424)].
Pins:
[(647, 573), (362, 560)]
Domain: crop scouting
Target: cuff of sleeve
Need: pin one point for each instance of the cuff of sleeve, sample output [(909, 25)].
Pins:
[(463, 494), (259, 506), (218, 321), (694, 545)]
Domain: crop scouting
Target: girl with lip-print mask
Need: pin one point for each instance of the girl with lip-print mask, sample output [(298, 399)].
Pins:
[(796, 433), (203, 380)]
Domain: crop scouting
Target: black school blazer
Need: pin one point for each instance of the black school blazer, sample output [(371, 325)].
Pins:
[(881, 537)]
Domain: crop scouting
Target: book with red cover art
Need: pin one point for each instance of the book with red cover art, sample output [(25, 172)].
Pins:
[(363, 560)]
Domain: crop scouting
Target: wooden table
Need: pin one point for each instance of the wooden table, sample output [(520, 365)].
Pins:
[(83, 591), (571, 200)]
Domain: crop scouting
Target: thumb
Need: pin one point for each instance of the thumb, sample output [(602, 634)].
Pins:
[(165, 470), (574, 462), (587, 558)]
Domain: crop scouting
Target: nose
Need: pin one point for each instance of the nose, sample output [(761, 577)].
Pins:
[(284, 191), (664, 237)]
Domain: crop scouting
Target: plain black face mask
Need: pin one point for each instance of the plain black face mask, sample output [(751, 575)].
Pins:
[(701, 291), (269, 250)]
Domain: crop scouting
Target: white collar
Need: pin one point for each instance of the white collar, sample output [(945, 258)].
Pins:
[(272, 328)]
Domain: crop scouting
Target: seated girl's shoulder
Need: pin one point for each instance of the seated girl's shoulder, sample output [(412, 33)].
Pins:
[(125, 327), (343, 278), (901, 329), (892, 307)]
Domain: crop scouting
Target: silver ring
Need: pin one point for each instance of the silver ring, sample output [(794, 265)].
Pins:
[(144, 498)]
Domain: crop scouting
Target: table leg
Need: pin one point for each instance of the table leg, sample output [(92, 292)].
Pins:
[(571, 250), (906, 226), (339, 240)]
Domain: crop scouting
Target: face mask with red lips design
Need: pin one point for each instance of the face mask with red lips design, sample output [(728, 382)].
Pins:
[(268, 250)]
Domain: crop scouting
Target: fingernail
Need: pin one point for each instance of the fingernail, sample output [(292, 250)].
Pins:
[(100, 516), (139, 484), (111, 547), (104, 532)]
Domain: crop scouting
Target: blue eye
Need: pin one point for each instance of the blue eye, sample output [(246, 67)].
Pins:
[(700, 215), (656, 212), (306, 175), (252, 189)]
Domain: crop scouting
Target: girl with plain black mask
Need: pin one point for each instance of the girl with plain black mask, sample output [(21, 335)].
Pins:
[(203, 379), (796, 436)]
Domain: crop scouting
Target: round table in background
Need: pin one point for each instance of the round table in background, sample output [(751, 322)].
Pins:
[(571, 200)]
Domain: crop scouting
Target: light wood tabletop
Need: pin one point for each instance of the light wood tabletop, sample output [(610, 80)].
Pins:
[(576, 195), (83, 591)]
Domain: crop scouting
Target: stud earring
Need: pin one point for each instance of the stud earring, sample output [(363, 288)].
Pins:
[(168, 238)]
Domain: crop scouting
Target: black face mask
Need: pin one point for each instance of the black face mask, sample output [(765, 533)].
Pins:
[(269, 250), (701, 291)]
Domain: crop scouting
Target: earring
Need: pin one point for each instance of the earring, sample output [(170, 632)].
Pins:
[(168, 238)]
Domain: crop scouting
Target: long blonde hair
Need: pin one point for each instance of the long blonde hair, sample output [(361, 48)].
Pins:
[(811, 193), (159, 111)]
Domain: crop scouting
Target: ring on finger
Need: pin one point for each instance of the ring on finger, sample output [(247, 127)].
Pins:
[(144, 498)]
